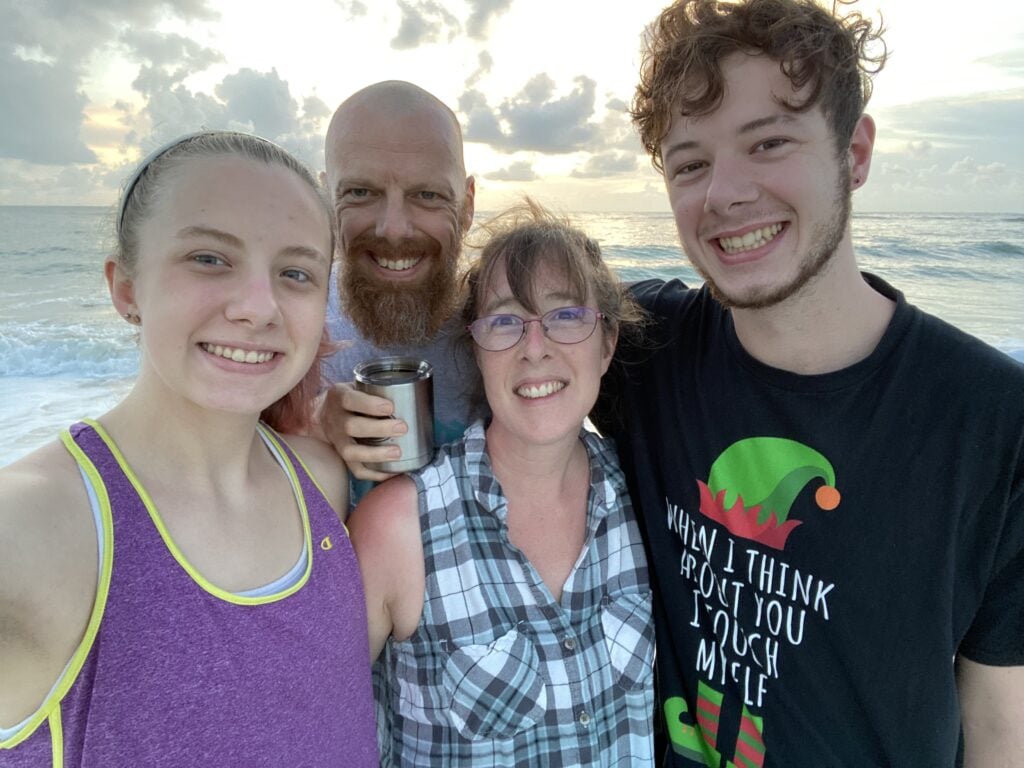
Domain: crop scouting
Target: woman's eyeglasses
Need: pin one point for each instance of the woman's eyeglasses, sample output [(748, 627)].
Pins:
[(566, 325)]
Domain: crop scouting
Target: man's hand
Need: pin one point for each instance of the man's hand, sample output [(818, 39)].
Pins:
[(345, 415)]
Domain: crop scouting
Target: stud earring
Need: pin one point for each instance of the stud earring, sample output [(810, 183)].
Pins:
[(132, 318)]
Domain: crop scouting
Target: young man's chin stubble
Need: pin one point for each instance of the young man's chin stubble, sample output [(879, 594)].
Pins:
[(824, 244)]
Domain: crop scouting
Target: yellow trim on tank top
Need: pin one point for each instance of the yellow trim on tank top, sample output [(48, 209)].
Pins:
[(57, 738), (278, 439), (50, 707), (183, 561)]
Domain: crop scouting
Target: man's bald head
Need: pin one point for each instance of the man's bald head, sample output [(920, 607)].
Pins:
[(402, 201), (379, 108)]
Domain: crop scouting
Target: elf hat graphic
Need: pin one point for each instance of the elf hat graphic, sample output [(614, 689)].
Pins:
[(754, 482)]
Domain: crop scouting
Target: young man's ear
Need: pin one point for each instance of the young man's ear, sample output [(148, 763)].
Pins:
[(862, 144)]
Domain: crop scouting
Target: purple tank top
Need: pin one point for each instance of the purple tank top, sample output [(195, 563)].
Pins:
[(178, 673)]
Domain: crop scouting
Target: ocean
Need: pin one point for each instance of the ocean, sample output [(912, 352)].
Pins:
[(65, 354)]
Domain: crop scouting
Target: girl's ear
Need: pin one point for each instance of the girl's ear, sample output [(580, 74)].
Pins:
[(122, 290)]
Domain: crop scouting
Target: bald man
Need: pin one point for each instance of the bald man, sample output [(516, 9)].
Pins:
[(402, 203)]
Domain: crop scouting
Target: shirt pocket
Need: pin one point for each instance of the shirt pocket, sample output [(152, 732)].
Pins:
[(497, 689), (629, 637)]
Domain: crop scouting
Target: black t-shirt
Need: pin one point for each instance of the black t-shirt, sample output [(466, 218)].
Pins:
[(821, 546)]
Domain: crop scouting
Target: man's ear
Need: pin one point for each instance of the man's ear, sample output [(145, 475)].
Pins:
[(121, 287), (862, 145), (468, 205)]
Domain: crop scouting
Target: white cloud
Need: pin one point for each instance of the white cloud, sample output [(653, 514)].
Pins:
[(536, 118), (44, 52), (24, 183), (967, 168), (955, 154), (517, 171), (168, 50), (607, 164), (261, 99), (1011, 61), (68, 70), (43, 113), (352, 8), (959, 183), (486, 63), (919, 148), (993, 120), (483, 12), (424, 22), (69, 31)]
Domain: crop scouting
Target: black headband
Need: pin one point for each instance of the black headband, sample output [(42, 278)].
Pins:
[(152, 157)]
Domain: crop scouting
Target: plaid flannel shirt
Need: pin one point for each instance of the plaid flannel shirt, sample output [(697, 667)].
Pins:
[(500, 674)]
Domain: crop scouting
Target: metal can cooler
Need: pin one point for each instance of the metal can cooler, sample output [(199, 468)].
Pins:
[(408, 383)]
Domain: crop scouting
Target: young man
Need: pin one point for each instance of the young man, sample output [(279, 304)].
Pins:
[(402, 203), (831, 482)]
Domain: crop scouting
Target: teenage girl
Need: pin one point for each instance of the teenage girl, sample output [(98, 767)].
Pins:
[(176, 584)]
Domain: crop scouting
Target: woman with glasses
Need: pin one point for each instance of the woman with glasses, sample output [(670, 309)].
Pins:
[(506, 581)]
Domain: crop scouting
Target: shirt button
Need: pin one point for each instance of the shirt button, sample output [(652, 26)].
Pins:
[(569, 644), (584, 719)]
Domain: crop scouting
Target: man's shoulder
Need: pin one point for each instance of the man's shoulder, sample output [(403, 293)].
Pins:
[(675, 314), (967, 355), (942, 352), (954, 372), (659, 296)]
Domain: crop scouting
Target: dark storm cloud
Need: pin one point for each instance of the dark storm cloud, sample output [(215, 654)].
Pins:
[(483, 12), (535, 119), (424, 22), (517, 171)]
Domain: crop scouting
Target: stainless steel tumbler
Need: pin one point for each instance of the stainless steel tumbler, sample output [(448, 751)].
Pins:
[(409, 384)]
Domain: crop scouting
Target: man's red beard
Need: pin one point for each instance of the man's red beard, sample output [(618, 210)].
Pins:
[(398, 313)]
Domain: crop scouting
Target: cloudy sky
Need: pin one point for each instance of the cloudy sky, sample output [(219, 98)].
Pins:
[(540, 86)]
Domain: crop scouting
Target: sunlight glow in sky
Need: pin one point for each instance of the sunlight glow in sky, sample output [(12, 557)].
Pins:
[(539, 85)]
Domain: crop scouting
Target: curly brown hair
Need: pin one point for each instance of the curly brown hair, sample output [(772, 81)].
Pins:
[(835, 56)]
